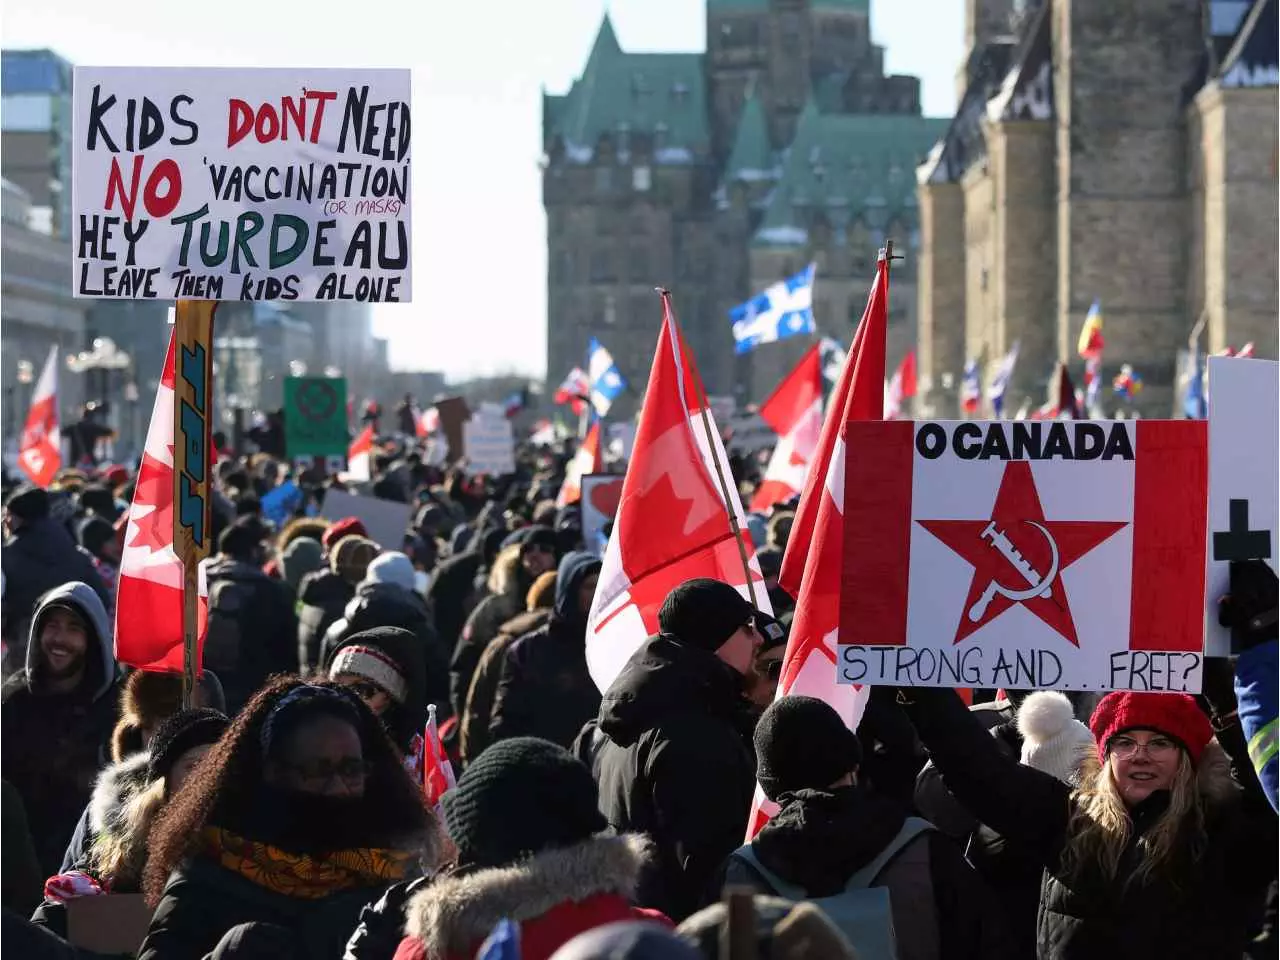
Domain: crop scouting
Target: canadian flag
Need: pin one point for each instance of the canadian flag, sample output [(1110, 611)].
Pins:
[(794, 411), (426, 422), (40, 449), (813, 564), (574, 390), (1065, 554), (359, 455), (437, 769), (588, 459), (149, 590), (672, 523), (902, 386)]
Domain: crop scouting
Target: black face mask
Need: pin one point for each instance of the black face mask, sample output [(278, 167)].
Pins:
[(310, 823)]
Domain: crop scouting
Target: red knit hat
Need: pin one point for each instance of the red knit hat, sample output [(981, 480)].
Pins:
[(346, 527), (1176, 715)]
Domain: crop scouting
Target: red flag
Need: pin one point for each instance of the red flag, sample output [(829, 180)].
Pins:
[(902, 386), (814, 562), (149, 592), (40, 449), (359, 455), (794, 411), (672, 523), (437, 770), (588, 459)]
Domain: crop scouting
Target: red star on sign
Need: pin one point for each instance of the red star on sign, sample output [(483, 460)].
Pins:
[(1017, 524)]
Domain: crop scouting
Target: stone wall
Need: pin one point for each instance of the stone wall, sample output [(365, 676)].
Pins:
[(940, 294)]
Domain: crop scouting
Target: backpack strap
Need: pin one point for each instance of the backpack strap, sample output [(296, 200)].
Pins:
[(789, 891), (912, 827)]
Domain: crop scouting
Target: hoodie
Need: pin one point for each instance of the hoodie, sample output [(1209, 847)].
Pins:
[(545, 689), (55, 743)]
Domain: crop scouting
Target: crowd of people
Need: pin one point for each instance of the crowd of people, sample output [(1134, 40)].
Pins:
[(282, 813)]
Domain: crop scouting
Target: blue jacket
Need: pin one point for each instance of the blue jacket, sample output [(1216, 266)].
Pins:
[(1256, 679)]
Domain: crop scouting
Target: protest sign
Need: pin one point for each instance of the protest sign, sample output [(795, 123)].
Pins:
[(386, 520), (315, 417), (241, 184), (1244, 477), (112, 923), (454, 413), (600, 495), (489, 442), (1030, 554)]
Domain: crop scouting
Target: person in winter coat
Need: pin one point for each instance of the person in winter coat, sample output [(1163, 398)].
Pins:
[(526, 827), (387, 598), (251, 619), (668, 748), (1249, 611), (300, 815), (39, 554), (545, 689), (97, 537), (530, 554), (323, 594), (474, 724), (829, 827), (21, 879), (386, 668), (301, 557), (127, 800), (1154, 855), (58, 713)]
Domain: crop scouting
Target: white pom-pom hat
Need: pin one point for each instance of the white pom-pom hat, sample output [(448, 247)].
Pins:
[(1053, 740)]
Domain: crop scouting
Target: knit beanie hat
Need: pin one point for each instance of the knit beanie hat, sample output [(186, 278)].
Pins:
[(301, 556), (542, 595), (179, 733), (28, 503), (391, 567), (704, 613), (1176, 715), (801, 743), (519, 797), (351, 557), (346, 527), (373, 664), (94, 532), (1053, 740)]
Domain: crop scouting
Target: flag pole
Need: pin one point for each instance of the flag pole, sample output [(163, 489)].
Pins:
[(715, 458), (192, 435)]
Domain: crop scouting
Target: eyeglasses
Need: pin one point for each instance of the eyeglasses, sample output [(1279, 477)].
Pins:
[(1125, 748), (773, 669), (321, 772), (365, 689)]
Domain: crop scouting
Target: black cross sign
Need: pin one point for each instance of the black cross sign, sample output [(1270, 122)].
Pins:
[(1238, 542)]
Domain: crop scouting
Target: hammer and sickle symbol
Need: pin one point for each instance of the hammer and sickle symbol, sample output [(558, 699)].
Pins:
[(1039, 586)]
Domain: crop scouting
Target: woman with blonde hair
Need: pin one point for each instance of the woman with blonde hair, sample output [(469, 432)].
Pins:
[(1157, 853)]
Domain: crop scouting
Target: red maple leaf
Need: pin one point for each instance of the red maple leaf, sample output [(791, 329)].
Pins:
[(155, 488)]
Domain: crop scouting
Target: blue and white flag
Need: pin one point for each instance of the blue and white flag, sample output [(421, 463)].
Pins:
[(970, 388), (605, 378), (1000, 380), (783, 310)]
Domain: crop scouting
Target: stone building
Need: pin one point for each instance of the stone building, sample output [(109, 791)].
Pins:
[(1118, 153), (716, 174)]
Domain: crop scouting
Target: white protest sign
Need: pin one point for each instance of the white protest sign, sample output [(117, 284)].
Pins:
[(1037, 554), (1244, 477), (489, 442), (386, 520), (241, 184)]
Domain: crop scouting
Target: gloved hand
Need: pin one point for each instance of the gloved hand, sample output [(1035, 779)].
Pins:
[(1249, 610)]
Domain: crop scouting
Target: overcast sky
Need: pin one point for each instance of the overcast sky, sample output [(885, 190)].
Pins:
[(479, 266)]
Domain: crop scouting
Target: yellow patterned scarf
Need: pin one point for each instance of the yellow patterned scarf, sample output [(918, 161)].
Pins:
[(301, 875)]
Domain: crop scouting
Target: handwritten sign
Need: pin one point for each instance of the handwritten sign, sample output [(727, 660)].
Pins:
[(1244, 477), (241, 184), (1060, 555), (489, 442)]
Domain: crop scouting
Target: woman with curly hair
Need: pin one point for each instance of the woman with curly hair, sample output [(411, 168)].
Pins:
[(300, 815), (1156, 854)]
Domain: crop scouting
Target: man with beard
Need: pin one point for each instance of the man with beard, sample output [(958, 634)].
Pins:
[(58, 715), (669, 748)]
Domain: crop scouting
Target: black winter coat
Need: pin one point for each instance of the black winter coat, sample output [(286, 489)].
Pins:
[(322, 596), (260, 628), (481, 627), (450, 594), (1208, 914), (670, 757), (473, 726), (203, 900), (545, 689)]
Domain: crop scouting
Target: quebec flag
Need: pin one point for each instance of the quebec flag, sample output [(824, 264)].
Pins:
[(605, 378), (783, 310)]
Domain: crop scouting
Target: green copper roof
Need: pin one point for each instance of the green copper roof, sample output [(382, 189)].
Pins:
[(850, 167), (650, 92), (751, 157)]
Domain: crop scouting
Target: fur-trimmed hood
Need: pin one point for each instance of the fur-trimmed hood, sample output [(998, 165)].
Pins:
[(454, 913), (116, 785)]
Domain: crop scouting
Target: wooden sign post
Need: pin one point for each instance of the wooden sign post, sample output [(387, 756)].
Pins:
[(192, 436)]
